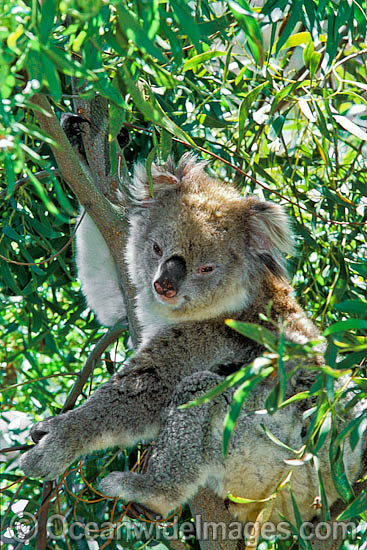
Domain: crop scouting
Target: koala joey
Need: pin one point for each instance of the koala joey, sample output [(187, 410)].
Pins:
[(197, 253)]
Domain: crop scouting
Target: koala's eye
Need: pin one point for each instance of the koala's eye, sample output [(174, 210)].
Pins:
[(157, 249), (202, 270)]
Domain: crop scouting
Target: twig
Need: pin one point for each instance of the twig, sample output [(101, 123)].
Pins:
[(16, 448), (43, 174), (108, 338), (12, 386), (54, 255), (21, 481)]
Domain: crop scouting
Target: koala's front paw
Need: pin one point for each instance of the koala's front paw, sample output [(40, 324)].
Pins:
[(52, 453)]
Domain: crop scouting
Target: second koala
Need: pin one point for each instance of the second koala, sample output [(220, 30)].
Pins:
[(198, 253)]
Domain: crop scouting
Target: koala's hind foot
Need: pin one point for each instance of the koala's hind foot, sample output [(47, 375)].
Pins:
[(137, 487), (181, 459)]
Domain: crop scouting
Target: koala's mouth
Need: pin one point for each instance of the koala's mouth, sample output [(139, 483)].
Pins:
[(176, 300)]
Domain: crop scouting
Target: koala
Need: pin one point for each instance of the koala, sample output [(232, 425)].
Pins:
[(198, 252)]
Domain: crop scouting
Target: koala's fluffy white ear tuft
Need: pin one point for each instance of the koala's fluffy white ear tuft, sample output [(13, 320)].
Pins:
[(164, 178), (270, 234)]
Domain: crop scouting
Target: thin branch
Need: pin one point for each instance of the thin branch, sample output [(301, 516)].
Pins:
[(54, 255), (43, 174), (16, 448), (108, 338)]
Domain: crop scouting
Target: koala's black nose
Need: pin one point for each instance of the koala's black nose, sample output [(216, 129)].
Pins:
[(172, 274)]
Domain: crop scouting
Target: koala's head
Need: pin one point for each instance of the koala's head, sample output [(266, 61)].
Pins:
[(198, 249)]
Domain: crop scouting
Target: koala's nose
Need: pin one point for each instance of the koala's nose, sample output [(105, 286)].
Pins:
[(171, 275)]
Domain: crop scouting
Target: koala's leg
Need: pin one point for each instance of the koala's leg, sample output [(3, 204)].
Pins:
[(123, 411), (186, 452)]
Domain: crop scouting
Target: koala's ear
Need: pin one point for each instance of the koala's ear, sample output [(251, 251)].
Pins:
[(270, 234), (164, 179)]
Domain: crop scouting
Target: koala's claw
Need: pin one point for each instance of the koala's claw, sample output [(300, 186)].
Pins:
[(136, 509), (38, 432)]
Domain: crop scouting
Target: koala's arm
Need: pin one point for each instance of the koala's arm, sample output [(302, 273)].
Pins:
[(128, 408)]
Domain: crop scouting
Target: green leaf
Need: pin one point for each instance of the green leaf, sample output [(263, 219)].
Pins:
[(108, 90), (355, 508), (277, 441), (245, 373), (175, 43), (13, 235), (352, 360), (148, 167), (260, 334), (186, 22), (360, 268), (297, 39), (211, 27), (165, 144), (130, 26), (247, 102), (284, 92), (293, 18), (52, 77), (323, 433), (239, 397), (34, 65), (47, 19), (146, 108), (247, 20), (211, 122), (337, 469), (193, 62), (42, 193), (241, 500), (314, 63), (307, 52), (62, 61), (352, 306), (303, 542), (351, 127), (349, 324), (227, 63)]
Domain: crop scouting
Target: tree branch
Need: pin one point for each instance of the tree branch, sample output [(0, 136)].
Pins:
[(108, 338), (102, 211)]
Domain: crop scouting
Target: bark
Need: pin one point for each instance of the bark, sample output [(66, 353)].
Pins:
[(94, 189)]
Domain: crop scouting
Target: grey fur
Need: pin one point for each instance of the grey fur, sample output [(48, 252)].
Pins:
[(185, 345)]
